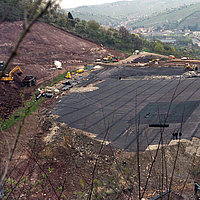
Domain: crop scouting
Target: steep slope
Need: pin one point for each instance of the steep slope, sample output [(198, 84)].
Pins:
[(43, 44)]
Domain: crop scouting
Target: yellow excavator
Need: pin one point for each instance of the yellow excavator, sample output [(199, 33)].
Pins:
[(9, 77), (188, 67)]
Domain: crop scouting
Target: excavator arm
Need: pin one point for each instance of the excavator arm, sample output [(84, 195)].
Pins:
[(10, 77), (15, 69)]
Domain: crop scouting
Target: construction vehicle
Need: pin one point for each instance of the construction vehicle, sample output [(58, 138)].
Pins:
[(188, 67), (115, 59), (98, 60), (58, 64), (79, 71), (184, 58), (9, 77), (155, 61), (111, 58), (28, 81), (136, 52), (107, 59), (171, 57), (43, 94)]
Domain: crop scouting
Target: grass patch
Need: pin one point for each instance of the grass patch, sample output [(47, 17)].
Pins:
[(58, 79), (29, 108)]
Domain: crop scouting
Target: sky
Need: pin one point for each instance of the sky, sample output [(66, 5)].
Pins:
[(76, 3)]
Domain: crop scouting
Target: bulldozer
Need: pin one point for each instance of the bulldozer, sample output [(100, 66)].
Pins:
[(111, 58), (107, 59), (188, 67), (9, 77)]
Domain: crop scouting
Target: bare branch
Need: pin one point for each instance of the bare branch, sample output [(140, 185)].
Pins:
[(170, 185), (149, 175), (24, 33), (11, 151)]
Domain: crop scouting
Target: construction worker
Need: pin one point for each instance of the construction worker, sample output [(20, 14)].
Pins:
[(173, 134), (180, 134), (176, 135)]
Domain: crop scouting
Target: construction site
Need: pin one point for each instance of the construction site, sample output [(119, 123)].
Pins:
[(104, 96)]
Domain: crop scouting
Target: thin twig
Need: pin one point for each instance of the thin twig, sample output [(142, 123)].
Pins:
[(149, 175), (97, 159), (11, 151), (21, 38), (137, 121), (36, 161), (189, 171), (179, 142)]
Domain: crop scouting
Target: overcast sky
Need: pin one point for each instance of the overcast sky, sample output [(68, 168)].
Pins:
[(76, 3)]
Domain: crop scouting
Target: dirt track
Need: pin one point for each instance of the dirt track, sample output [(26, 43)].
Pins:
[(43, 45), (145, 57)]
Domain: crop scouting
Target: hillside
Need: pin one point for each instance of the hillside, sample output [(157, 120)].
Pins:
[(117, 12), (43, 44), (183, 16)]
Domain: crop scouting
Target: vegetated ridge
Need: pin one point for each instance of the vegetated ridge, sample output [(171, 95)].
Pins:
[(178, 17), (113, 14)]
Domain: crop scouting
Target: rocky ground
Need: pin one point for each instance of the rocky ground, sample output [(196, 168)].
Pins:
[(51, 156)]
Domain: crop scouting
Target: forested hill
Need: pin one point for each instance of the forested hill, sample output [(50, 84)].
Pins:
[(113, 14), (118, 39), (185, 16)]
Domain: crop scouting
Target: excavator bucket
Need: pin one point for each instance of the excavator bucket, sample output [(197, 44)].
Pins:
[(19, 73)]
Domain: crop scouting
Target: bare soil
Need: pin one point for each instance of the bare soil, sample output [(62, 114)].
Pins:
[(61, 156), (52, 155), (42, 46)]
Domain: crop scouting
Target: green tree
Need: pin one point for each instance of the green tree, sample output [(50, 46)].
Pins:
[(159, 48), (124, 34), (93, 25)]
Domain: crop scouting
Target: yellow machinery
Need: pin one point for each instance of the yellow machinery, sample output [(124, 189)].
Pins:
[(79, 71), (156, 61), (68, 75), (108, 58), (9, 77), (188, 67)]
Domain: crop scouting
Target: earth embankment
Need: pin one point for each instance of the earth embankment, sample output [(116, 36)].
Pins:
[(42, 46)]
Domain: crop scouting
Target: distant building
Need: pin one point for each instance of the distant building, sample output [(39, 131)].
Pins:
[(140, 30), (187, 30), (196, 33), (186, 34), (168, 41)]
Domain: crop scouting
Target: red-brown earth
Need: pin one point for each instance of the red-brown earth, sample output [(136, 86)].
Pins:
[(41, 47)]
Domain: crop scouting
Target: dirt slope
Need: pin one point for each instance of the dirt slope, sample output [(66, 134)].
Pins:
[(42, 46)]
